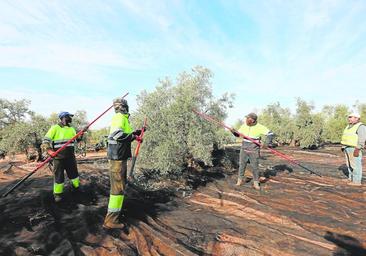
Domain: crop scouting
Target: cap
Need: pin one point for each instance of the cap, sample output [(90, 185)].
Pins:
[(355, 114), (120, 101), (63, 114), (252, 116)]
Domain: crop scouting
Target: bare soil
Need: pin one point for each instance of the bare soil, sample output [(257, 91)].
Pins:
[(200, 213)]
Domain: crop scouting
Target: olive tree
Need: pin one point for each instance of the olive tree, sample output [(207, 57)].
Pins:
[(13, 111), (26, 129), (335, 121), (22, 135), (79, 120), (280, 121), (361, 108), (12, 123), (309, 126), (175, 133), (98, 136)]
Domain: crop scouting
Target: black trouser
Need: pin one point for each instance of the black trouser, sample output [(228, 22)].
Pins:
[(68, 165)]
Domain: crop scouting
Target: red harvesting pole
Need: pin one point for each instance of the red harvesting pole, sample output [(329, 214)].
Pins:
[(137, 149), (282, 155), (80, 133)]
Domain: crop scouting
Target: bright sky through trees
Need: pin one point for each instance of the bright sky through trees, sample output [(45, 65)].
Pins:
[(70, 55)]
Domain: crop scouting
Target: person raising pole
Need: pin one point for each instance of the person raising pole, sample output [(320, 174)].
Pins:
[(118, 152), (250, 149), (56, 137)]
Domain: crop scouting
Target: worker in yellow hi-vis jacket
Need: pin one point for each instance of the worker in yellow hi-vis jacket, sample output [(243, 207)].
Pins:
[(54, 139), (119, 151), (249, 151)]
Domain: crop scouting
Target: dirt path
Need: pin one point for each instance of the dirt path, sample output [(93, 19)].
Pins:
[(294, 213)]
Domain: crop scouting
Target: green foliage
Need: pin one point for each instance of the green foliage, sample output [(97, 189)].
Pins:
[(79, 121), (175, 134), (361, 108), (21, 135), (305, 128), (96, 136), (12, 112), (309, 126), (21, 129), (53, 118), (237, 124), (15, 133), (335, 121), (278, 120)]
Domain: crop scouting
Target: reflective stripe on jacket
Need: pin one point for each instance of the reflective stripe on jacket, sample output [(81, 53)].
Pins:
[(60, 135), (57, 136), (350, 137)]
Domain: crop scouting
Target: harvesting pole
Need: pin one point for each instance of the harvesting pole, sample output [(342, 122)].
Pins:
[(137, 149), (39, 166), (275, 152)]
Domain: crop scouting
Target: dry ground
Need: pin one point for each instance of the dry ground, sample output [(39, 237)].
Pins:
[(201, 213)]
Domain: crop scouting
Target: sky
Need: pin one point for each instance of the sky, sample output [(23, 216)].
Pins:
[(79, 55)]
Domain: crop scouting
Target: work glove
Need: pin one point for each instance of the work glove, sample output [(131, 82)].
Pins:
[(235, 133), (356, 152), (139, 139), (137, 132), (135, 137)]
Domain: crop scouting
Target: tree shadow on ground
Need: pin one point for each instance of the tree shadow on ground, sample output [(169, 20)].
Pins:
[(228, 157), (344, 169), (142, 203), (32, 222), (274, 170), (346, 245)]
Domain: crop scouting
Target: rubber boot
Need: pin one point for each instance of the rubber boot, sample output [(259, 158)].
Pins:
[(256, 185), (239, 182), (111, 221)]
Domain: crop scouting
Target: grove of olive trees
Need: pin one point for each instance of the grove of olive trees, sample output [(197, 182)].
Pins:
[(175, 134)]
